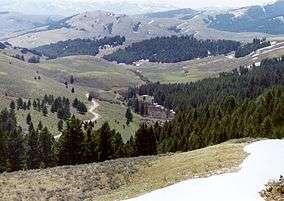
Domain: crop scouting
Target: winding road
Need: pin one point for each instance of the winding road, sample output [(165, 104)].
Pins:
[(92, 110)]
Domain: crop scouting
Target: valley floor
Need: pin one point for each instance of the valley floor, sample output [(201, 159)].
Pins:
[(265, 162)]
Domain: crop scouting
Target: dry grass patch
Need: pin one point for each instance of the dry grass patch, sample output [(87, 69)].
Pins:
[(119, 179), (170, 169), (274, 191)]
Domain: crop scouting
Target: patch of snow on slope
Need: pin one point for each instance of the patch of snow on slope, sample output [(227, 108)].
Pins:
[(265, 162), (238, 12)]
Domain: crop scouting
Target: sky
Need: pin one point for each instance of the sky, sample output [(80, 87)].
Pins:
[(200, 3), (71, 7)]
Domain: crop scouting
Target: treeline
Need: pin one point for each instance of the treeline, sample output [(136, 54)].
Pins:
[(251, 47), (78, 47), (217, 122), (242, 83), (172, 49), (79, 143), (59, 105)]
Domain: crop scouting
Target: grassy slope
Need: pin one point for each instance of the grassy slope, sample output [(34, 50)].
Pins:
[(103, 78), (201, 68), (17, 80), (120, 179)]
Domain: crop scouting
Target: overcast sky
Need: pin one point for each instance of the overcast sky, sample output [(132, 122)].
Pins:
[(201, 3)]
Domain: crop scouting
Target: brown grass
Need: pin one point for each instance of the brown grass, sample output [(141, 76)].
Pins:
[(170, 169), (119, 179)]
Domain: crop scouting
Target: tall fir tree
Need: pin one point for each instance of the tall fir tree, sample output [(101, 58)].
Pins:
[(70, 143), (46, 149)]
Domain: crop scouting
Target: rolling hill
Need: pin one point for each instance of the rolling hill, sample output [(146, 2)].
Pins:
[(14, 22), (266, 19), (96, 24)]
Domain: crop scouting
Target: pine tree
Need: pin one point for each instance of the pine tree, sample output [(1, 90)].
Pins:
[(12, 105), (267, 131), (15, 152), (29, 119), (89, 147), (118, 145), (33, 158), (145, 141), (44, 110), (70, 143), (72, 79), (60, 125), (20, 103), (3, 152), (46, 149), (128, 116), (39, 126), (29, 104), (105, 149)]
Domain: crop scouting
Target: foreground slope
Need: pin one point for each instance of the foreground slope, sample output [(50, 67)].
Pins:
[(119, 179), (265, 162)]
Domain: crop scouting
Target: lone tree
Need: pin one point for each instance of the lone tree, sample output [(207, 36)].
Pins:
[(72, 79), (44, 111), (60, 125), (29, 119), (12, 105), (128, 116)]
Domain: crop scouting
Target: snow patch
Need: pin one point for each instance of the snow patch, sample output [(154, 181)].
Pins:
[(239, 12), (257, 64), (265, 162), (231, 56)]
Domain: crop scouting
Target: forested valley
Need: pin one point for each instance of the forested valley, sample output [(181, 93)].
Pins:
[(237, 104), (176, 49), (78, 47)]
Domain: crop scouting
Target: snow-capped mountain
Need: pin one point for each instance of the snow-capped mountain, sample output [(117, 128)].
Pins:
[(71, 7)]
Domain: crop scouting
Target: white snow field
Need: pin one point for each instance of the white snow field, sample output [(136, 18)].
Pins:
[(265, 162)]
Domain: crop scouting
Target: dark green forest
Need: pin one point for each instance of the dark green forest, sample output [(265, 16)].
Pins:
[(242, 83), (172, 49), (242, 103), (251, 47), (78, 47)]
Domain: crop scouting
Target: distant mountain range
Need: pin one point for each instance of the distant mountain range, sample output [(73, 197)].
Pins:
[(238, 24), (266, 19), (72, 7), (12, 22)]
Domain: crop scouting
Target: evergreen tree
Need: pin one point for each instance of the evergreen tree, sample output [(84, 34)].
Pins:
[(15, 152), (72, 79), (70, 143), (89, 146), (29, 119), (46, 149), (145, 141), (60, 125), (12, 105), (105, 149), (3, 152), (39, 126), (128, 116), (44, 110), (33, 157), (20, 103)]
